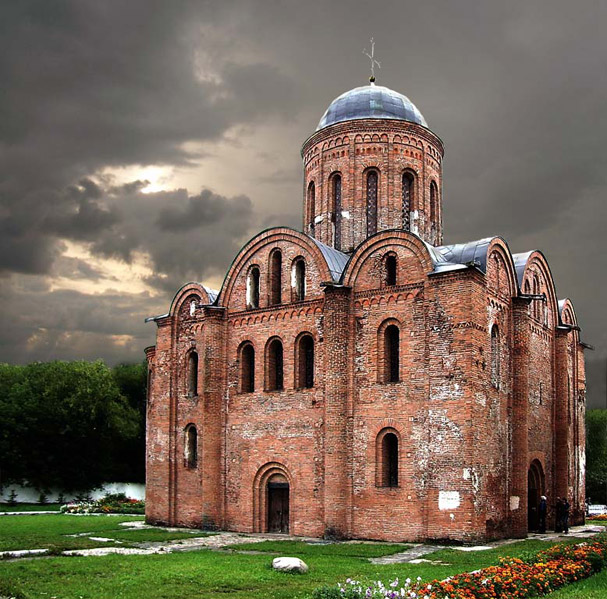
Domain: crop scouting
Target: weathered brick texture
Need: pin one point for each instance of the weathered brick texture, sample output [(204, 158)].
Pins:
[(438, 442)]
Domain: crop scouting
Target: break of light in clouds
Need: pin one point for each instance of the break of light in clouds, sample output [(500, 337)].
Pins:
[(142, 143)]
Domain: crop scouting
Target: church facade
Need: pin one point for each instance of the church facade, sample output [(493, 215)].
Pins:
[(360, 378)]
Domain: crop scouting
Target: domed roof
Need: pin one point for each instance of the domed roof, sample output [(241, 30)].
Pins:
[(371, 102)]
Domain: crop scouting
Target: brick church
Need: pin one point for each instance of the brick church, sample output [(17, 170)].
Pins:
[(360, 378)]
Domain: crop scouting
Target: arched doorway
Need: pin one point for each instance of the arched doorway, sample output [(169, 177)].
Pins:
[(278, 503), (535, 489)]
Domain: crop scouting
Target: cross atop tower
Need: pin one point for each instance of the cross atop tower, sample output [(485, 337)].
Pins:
[(373, 61)]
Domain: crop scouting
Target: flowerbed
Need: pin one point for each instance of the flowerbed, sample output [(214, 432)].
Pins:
[(116, 503), (537, 575), (601, 517)]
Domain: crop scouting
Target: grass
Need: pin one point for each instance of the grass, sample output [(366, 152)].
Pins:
[(594, 587), (49, 532), (304, 550), (596, 522), (207, 574), (30, 507)]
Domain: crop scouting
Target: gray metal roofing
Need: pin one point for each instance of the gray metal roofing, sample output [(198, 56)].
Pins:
[(520, 262), (371, 102), (466, 253), (336, 260)]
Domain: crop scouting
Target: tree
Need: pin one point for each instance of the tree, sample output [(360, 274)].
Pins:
[(596, 455), (131, 380), (61, 424)]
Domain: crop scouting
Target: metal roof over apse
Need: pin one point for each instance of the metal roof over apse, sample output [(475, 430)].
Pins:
[(520, 263), (466, 253), (371, 102), (336, 260)]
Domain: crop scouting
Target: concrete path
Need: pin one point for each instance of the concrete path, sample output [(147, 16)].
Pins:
[(414, 553), (224, 540)]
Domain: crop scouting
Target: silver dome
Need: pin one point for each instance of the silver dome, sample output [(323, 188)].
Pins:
[(371, 102)]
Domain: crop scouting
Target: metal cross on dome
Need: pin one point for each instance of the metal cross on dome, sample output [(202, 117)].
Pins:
[(373, 61)]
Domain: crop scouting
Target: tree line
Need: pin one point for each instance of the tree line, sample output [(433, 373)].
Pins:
[(596, 456), (72, 425)]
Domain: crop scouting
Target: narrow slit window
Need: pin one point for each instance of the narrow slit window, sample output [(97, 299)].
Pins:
[(311, 206), (433, 203), (299, 275), (388, 460), (392, 353), (336, 189), (192, 374), (371, 202), (306, 362), (390, 269), (191, 447), (275, 277), (275, 378), (408, 188), (253, 288), (495, 357), (247, 369)]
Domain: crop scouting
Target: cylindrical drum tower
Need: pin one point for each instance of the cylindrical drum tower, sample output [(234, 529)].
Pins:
[(372, 164)]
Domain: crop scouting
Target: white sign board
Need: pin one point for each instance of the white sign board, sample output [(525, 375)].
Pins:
[(448, 500)]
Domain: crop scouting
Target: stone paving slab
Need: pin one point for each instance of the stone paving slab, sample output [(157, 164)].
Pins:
[(414, 552)]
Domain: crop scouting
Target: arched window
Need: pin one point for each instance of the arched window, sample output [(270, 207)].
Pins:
[(311, 207), (408, 190), (495, 356), (391, 354), (253, 288), (275, 277), (536, 291), (298, 280), (274, 366), (192, 374), (433, 203), (390, 267), (305, 362), (191, 446), (371, 202), (387, 458), (247, 368), (336, 199)]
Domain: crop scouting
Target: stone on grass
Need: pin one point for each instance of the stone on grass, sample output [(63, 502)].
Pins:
[(289, 564)]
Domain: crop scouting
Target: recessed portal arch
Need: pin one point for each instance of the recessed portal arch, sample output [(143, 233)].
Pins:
[(272, 490), (535, 489)]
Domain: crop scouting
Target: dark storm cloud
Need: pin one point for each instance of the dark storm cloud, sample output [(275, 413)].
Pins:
[(87, 85), (516, 90), (186, 237), (69, 324), (205, 209)]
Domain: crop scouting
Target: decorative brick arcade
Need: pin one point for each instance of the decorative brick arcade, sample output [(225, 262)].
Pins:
[(359, 379)]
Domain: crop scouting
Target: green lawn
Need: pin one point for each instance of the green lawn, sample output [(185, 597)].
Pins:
[(594, 587), (49, 532), (30, 507), (207, 574), (304, 550)]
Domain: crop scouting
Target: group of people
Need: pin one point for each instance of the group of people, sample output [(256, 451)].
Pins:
[(561, 514)]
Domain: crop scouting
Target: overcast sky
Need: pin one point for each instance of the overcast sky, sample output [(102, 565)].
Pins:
[(143, 142)]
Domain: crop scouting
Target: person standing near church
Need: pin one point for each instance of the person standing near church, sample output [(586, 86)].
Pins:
[(542, 509)]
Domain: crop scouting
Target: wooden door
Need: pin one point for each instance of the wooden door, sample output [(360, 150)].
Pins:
[(278, 507)]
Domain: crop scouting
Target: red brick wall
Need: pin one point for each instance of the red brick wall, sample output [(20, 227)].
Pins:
[(465, 439), (390, 147)]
